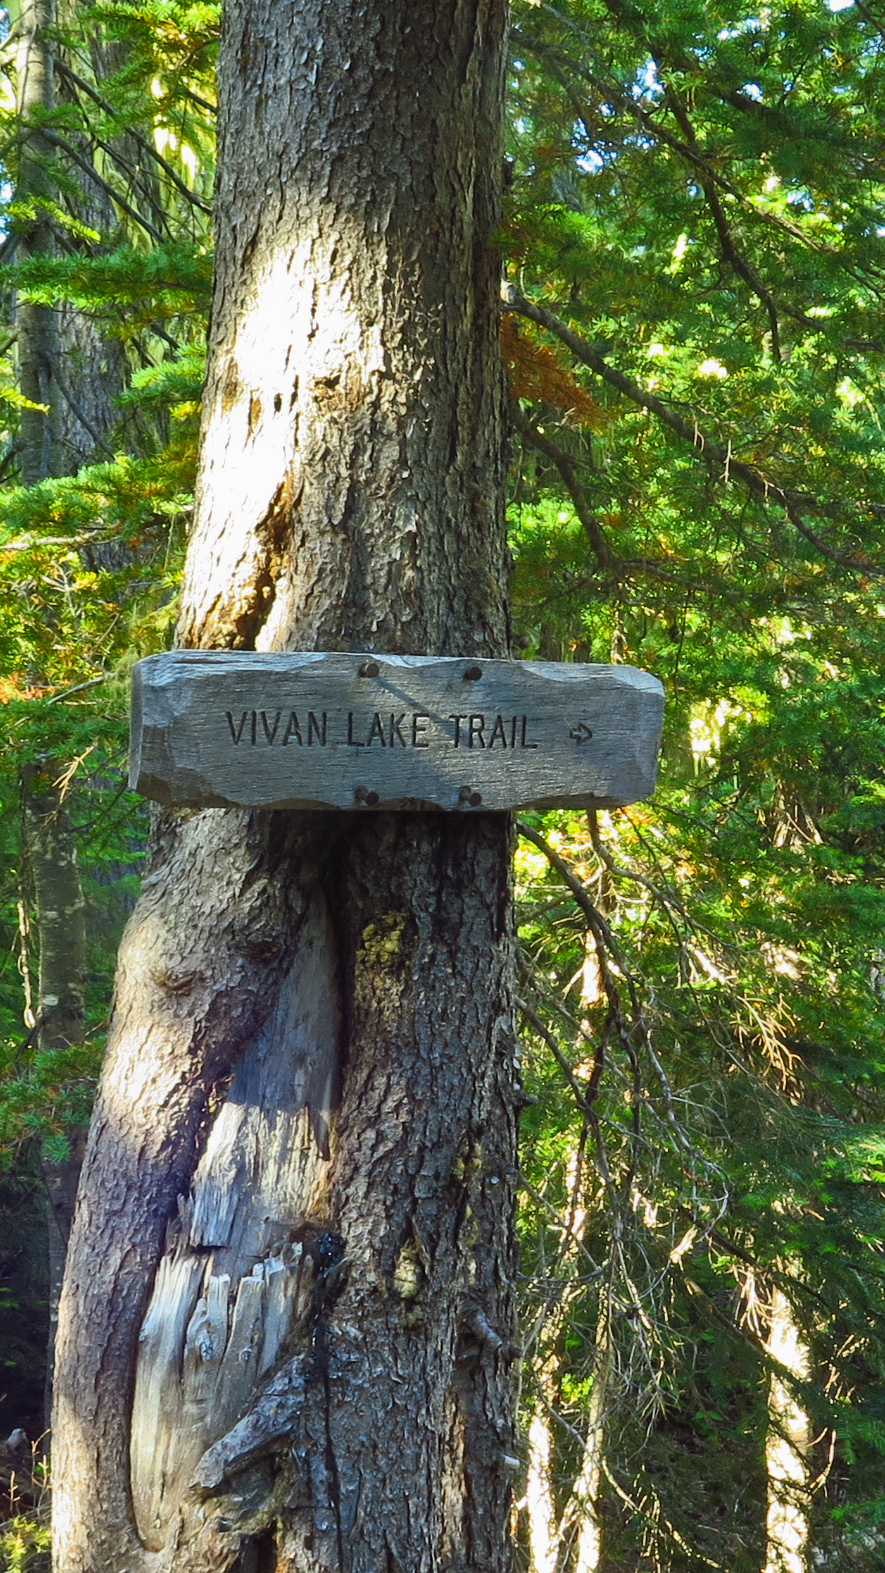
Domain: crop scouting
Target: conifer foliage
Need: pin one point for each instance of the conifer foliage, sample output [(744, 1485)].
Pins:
[(106, 268), (696, 223), (691, 322)]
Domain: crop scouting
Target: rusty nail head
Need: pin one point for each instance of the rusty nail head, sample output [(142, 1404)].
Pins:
[(371, 799), (473, 674), (475, 799), (369, 669)]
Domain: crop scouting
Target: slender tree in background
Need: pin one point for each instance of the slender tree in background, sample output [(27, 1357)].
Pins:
[(36, 323), (286, 1329), (58, 1021), (60, 1014)]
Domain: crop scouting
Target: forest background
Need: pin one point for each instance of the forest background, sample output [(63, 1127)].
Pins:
[(692, 322)]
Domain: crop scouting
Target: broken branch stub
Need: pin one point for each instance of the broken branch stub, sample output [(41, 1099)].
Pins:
[(212, 729)]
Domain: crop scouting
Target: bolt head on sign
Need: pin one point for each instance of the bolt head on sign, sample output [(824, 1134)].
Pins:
[(214, 728)]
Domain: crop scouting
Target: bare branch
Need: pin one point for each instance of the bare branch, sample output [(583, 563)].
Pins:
[(79, 688), (583, 1095)]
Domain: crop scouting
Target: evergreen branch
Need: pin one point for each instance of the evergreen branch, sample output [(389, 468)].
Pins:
[(552, 1000), (161, 333), (605, 942), (792, 1286), (730, 251), (720, 462), (606, 945), (139, 181), (564, 464), (653, 1519), (86, 87), (131, 171), (620, 567), (668, 899), (32, 542), (614, 93), (668, 902), (525, 1184), (868, 16), (90, 170), (867, 167), (202, 103), (584, 1096), (595, 921)]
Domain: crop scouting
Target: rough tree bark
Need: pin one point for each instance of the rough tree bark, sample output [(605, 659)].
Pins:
[(285, 1336)]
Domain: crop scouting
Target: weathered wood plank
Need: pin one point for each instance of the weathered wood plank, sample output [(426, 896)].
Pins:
[(215, 728)]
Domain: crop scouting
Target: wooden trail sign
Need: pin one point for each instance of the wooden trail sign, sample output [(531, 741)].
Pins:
[(215, 728)]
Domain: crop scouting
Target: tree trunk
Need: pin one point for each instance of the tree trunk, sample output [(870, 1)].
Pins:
[(584, 1507), (285, 1335), (61, 1006), (58, 896), (787, 1445), (36, 326), (92, 369), (540, 1507)]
